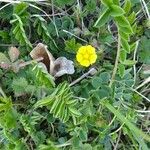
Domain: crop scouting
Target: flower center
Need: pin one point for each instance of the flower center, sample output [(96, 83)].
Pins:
[(86, 56)]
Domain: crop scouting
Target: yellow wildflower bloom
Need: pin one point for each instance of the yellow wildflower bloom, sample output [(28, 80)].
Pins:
[(86, 55)]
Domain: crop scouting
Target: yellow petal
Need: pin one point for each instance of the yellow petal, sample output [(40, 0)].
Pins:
[(79, 57), (93, 58), (90, 49), (82, 50), (85, 63)]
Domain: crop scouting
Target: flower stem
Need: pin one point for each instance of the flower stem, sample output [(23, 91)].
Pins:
[(116, 61)]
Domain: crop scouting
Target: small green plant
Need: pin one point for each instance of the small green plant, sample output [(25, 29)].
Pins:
[(85, 84)]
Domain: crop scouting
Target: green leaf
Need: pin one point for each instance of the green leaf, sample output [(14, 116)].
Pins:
[(133, 46), (129, 62), (43, 77), (19, 86), (96, 82), (132, 17), (116, 11), (83, 135), (5, 104), (4, 59), (121, 69), (49, 146), (116, 2), (19, 31), (127, 30), (107, 3), (74, 111), (124, 35), (123, 55), (11, 118), (135, 131), (61, 103), (20, 8), (72, 46), (125, 45), (144, 49), (5, 35), (122, 21), (127, 6), (103, 19)]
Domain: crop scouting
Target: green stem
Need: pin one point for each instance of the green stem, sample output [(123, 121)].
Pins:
[(116, 62)]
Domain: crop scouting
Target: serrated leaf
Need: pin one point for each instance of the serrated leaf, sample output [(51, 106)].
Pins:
[(72, 46), (19, 86), (116, 11), (103, 19)]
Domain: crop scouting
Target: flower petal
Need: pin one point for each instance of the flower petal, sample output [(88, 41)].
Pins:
[(82, 50), (85, 63), (93, 58), (79, 57), (90, 49)]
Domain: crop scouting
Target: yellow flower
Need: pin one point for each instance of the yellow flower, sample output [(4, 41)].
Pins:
[(86, 55)]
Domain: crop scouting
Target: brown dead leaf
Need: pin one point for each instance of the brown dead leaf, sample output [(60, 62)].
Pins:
[(63, 66), (41, 51), (13, 53), (57, 67)]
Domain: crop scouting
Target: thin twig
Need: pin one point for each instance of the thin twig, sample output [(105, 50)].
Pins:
[(142, 111), (50, 15), (91, 71), (30, 62), (143, 83), (134, 90), (53, 13), (115, 148), (134, 58), (63, 145), (146, 8), (75, 36), (116, 62)]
